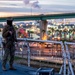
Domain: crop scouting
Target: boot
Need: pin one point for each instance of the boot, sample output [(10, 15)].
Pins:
[(12, 68), (4, 68)]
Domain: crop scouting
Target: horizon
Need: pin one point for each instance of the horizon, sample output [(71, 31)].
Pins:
[(18, 7)]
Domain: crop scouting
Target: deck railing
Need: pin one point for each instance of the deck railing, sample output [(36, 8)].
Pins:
[(24, 50)]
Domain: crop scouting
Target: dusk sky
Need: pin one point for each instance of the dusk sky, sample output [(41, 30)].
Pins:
[(71, 2), (46, 6), (50, 5)]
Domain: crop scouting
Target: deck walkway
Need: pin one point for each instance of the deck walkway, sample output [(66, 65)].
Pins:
[(21, 70)]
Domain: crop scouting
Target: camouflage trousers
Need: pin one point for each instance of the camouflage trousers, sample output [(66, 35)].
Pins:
[(9, 52)]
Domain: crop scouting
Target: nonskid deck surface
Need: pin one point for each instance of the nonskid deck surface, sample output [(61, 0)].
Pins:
[(21, 70)]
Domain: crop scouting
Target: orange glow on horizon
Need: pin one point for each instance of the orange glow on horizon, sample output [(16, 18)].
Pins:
[(14, 14), (44, 37)]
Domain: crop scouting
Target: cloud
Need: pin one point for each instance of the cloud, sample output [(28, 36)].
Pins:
[(19, 6), (32, 4)]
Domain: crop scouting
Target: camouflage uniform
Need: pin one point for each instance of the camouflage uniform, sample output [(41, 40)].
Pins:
[(9, 41)]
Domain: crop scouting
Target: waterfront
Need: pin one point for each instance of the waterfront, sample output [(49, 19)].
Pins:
[(44, 53)]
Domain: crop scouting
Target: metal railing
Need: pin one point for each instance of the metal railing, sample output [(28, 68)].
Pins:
[(25, 42), (64, 55), (70, 69)]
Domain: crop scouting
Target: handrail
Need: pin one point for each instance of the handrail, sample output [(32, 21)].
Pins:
[(64, 53), (33, 40), (48, 41)]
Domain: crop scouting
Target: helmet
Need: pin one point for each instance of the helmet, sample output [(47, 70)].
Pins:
[(9, 21)]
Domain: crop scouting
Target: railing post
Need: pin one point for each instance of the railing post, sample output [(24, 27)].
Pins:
[(2, 48), (68, 58), (63, 67), (22, 49), (28, 52)]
